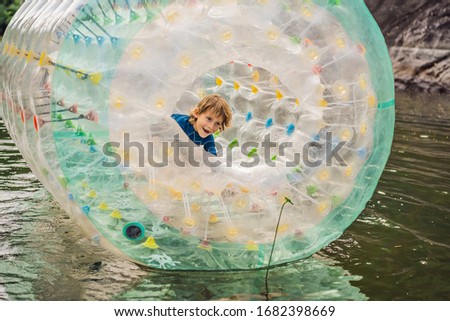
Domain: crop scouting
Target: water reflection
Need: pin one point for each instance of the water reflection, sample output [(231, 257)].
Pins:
[(312, 279)]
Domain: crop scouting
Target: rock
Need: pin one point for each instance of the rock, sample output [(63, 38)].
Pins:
[(417, 35)]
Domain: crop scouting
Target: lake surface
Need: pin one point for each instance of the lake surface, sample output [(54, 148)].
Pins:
[(398, 248)]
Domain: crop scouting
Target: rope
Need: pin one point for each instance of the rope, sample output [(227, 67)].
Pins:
[(286, 200)]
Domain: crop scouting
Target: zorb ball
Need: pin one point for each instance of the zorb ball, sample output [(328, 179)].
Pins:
[(88, 89)]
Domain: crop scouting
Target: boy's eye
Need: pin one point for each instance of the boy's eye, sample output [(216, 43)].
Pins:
[(208, 118)]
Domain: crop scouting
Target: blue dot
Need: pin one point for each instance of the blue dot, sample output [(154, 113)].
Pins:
[(316, 138), (114, 40), (362, 152), (269, 122), (70, 196), (88, 40), (86, 209), (100, 40), (290, 129), (76, 38), (249, 116)]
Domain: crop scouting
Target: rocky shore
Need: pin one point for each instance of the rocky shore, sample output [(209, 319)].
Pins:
[(417, 33)]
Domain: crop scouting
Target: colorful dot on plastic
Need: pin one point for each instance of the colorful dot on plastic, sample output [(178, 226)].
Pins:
[(290, 129)]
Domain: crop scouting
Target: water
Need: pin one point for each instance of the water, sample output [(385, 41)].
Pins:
[(398, 248)]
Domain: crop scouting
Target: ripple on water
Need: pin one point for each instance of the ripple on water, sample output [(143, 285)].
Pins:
[(402, 236)]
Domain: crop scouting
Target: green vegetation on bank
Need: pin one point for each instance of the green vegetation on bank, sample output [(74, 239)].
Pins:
[(7, 10)]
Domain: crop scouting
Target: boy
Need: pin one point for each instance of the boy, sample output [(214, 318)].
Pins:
[(212, 113)]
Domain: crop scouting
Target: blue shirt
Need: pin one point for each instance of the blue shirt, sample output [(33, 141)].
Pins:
[(207, 142)]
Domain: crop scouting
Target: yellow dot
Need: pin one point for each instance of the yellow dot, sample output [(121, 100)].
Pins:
[(185, 60), (346, 134), (153, 195), (116, 214), (172, 16), (92, 194), (189, 223), (297, 102), (236, 86), (272, 35), (251, 246), (196, 186), (281, 197), (150, 243), (227, 35), (306, 11), (348, 171), (322, 207), (118, 102), (274, 80), (213, 218), (283, 228), (196, 207), (244, 189), (160, 103), (254, 89), (313, 54), (323, 103), (5, 48), (30, 55), (176, 195), (324, 174), (200, 92), (12, 50), (340, 89), (232, 233), (255, 76), (340, 42), (136, 53), (219, 81), (240, 203), (278, 94), (363, 129), (103, 206), (371, 100), (96, 78), (168, 150), (363, 82), (80, 74)]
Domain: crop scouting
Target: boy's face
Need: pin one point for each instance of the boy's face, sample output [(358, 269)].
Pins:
[(207, 123)]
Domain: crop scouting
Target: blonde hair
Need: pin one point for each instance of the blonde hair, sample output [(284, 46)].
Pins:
[(217, 105)]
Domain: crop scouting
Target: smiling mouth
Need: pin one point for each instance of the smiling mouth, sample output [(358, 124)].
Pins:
[(206, 131)]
